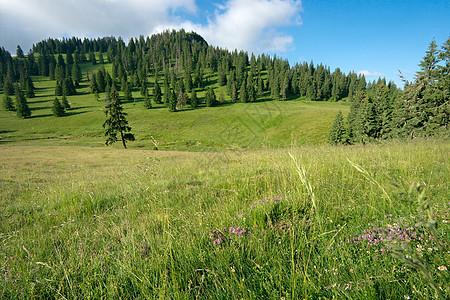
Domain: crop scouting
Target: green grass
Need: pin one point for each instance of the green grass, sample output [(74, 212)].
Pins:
[(92, 222), (231, 126), (82, 220)]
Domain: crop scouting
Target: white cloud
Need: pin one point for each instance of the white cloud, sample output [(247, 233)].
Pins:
[(248, 25), (252, 25), (28, 21), (369, 73)]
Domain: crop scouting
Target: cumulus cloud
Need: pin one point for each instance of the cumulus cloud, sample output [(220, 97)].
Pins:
[(369, 73), (27, 21), (252, 25), (249, 25)]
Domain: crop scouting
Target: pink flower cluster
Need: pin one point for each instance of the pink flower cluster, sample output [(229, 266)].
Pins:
[(219, 236)]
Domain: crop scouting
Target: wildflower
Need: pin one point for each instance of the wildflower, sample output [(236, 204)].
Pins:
[(442, 268)]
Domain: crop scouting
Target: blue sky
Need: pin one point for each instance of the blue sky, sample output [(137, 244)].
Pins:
[(372, 37)]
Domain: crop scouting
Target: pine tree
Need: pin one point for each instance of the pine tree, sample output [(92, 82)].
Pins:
[(147, 100), (76, 73), (58, 109), (194, 99), (116, 122), (7, 102), (23, 111), (157, 93), (19, 52), (172, 101), (126, 90), (210, 97), (65, 104), (29, 87), (243, 92), (337, 135)]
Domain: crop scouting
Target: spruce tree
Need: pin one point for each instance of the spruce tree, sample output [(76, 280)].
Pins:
[(116, 122), (243, 92), (7, 102), (157, 93), (147, 100), (210, 97), (337, 135), (58, 109), (76, 73), (23, 111), (19, 52), (65, 104), (194, 99), (29, 87), (172, 101)]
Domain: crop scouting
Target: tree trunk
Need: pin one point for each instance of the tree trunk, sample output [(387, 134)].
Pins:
[(123, 139)]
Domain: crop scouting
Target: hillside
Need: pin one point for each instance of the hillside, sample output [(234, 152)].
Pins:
[(240, 125), (234, 120)]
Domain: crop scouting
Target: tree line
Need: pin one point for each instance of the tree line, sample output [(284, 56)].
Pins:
[(422, 109), (170, 68)]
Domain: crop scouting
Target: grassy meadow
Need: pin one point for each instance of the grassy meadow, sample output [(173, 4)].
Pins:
[(229, 126), (240, 201), (97, 222)]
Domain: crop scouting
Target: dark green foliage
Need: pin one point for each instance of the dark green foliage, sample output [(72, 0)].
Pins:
[(67, 87), (58, 109), (147, 100), (65, 104), (29, 87), (337, 135), (22, 109), (251, 92), (19, 52), (243, 92), (210, 98), (115, 121), (76, 73), (157, 93), (7, 102), (194, 99), (424, 108), (126, 90), (94, 85), (172, 101), (58, 88)]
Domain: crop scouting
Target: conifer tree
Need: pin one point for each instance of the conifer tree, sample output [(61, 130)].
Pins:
[(251, 92), (147, 100), (76, 73), (58, 109), (337, 135), (126, 90), (116, 122), (65, 104), (172, 101), (157, 93), (194, 99), (7, 102), (23, 111), (29, 87), (19, 52), (243, 92), (210, 97), (58, 88)]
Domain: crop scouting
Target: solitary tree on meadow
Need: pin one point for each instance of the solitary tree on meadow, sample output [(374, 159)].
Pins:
[(115, 121)]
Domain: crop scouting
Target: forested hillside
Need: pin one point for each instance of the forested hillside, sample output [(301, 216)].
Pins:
[(173, 68)]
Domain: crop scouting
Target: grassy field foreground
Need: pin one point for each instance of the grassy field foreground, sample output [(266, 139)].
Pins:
[(89, 223)]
